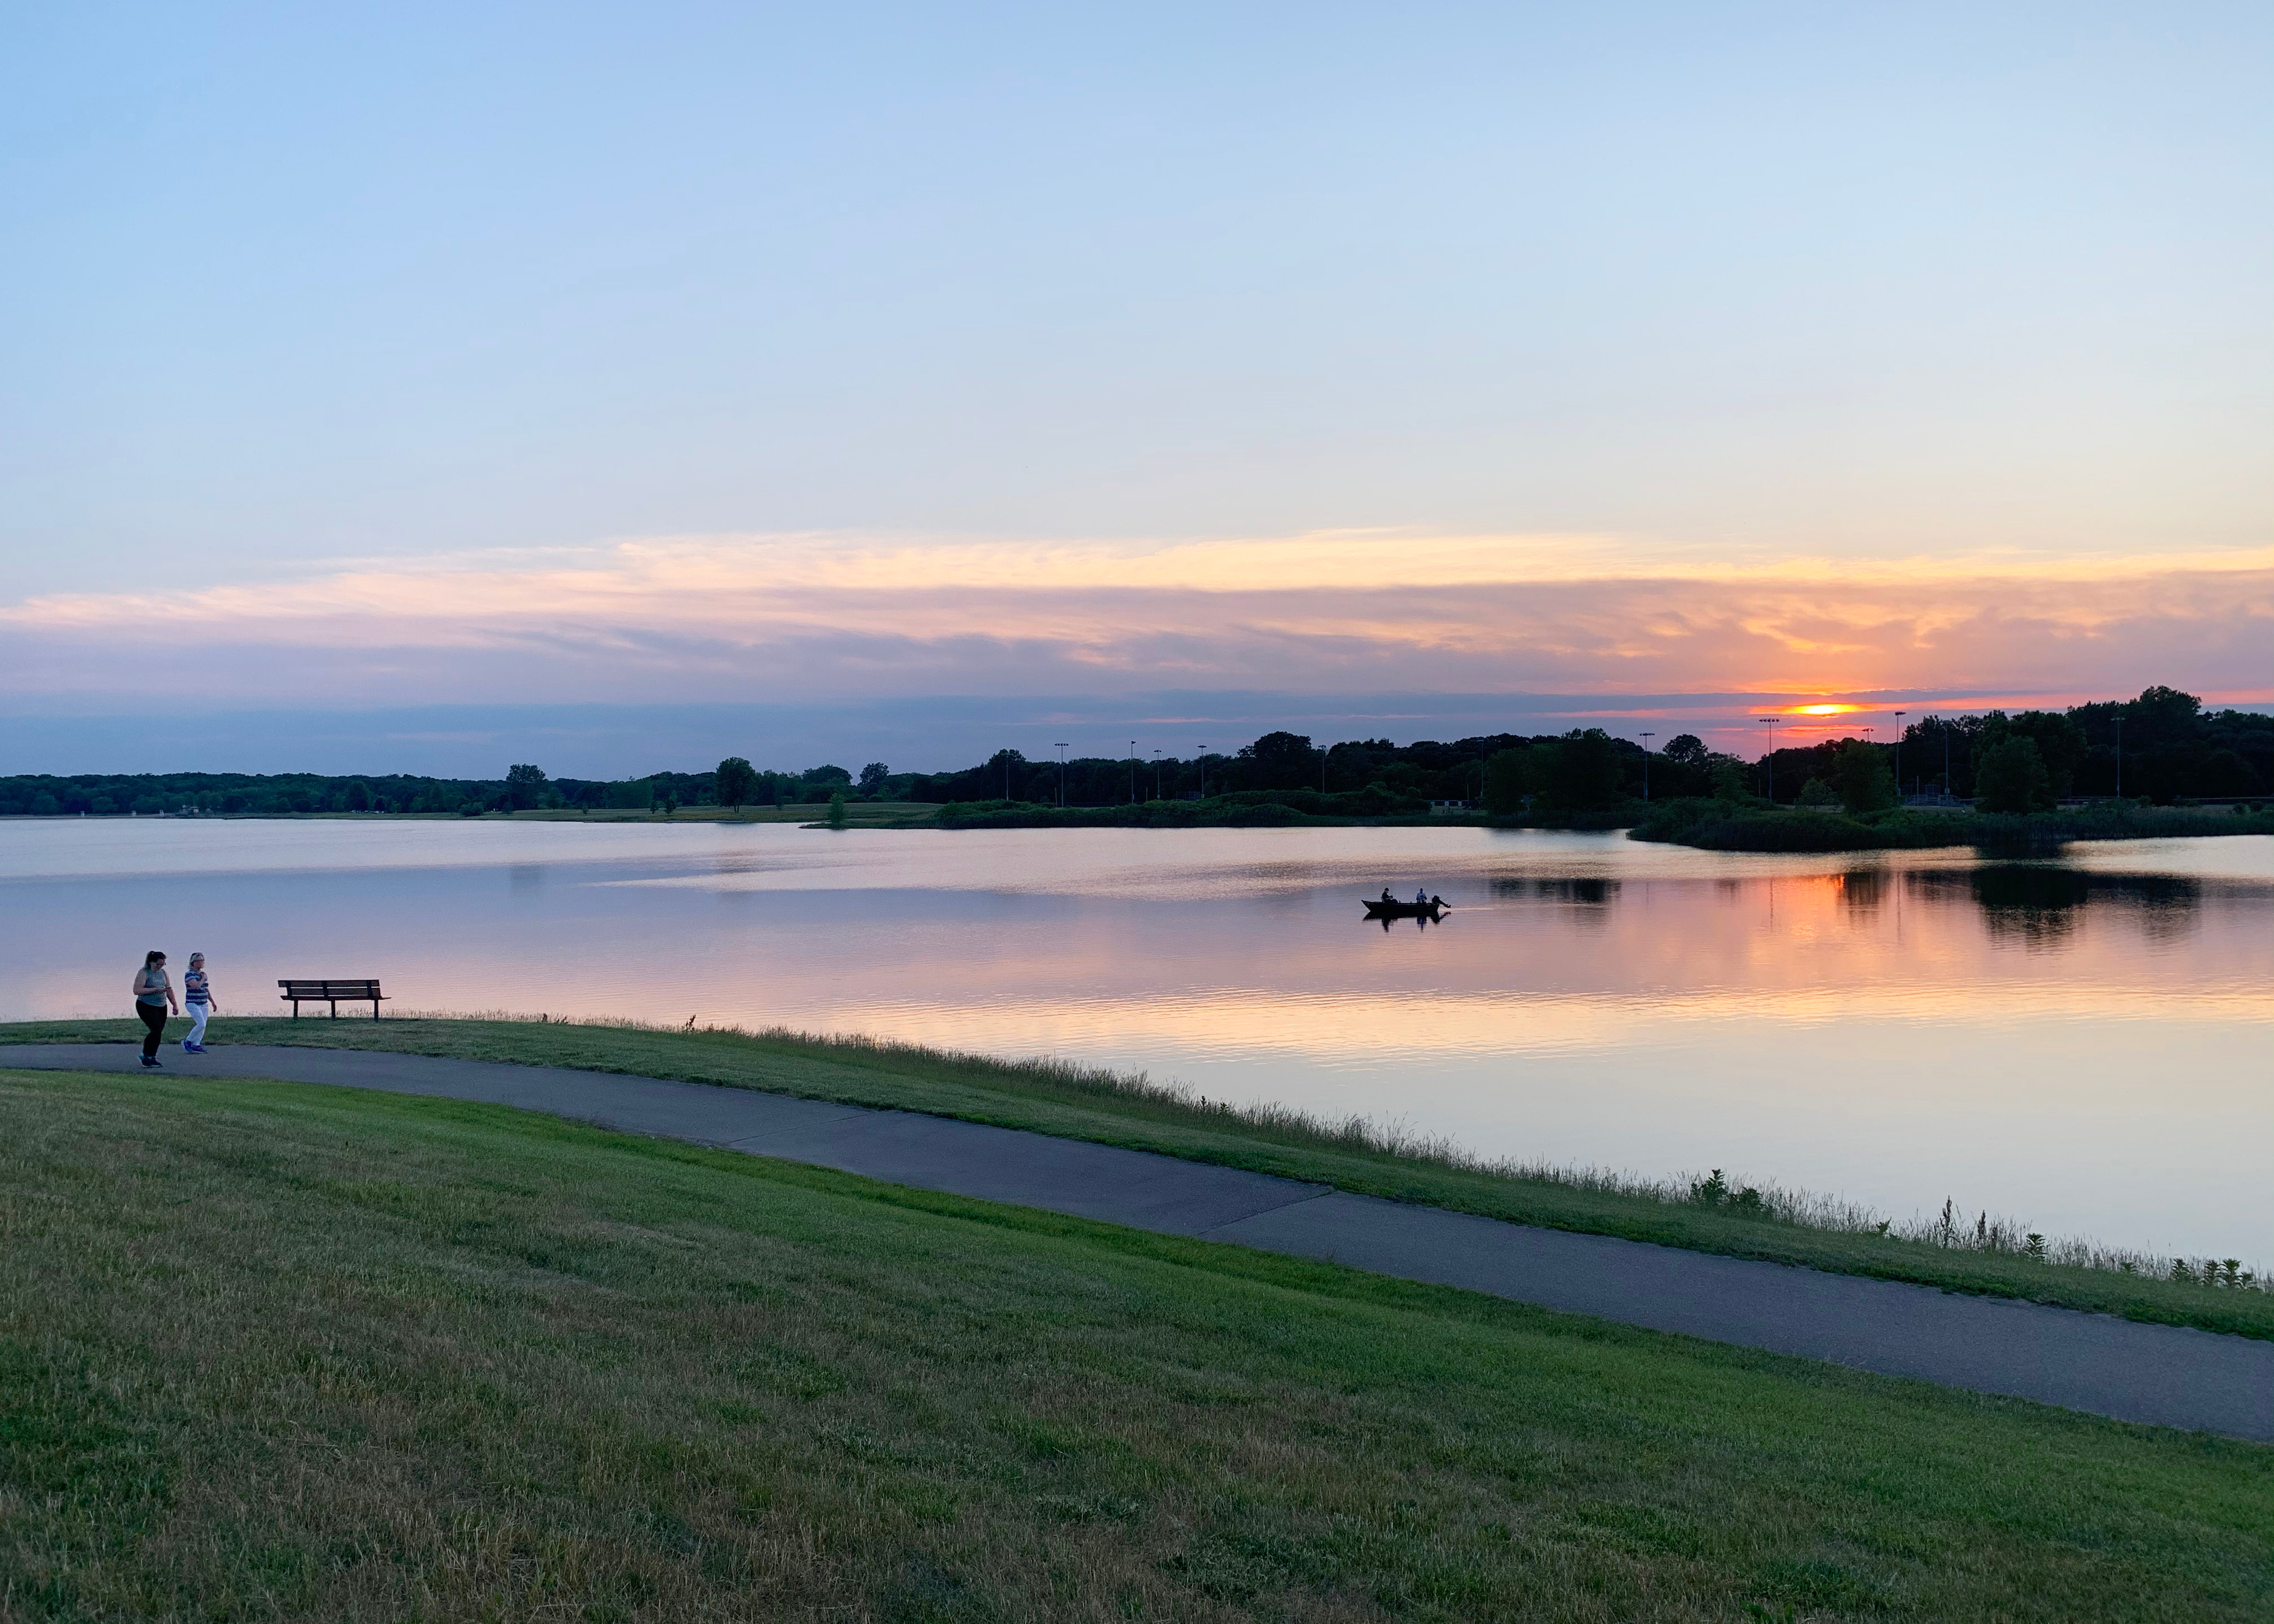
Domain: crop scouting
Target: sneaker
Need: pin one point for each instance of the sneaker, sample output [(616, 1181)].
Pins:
[(188, 1048), (148, 1060), (195, 1048)]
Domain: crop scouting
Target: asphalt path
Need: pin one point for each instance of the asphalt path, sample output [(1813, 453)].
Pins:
[(2164, 1375)]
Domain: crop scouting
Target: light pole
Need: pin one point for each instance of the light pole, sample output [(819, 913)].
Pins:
[(1006, 775), (1133, 772), (1899, 758), (1768, 761), (1060, 747), (1200, 759), (1646, 738), (1156, 775)]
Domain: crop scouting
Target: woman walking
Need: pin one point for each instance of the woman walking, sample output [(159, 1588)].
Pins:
[(197, 992), (153, 995)]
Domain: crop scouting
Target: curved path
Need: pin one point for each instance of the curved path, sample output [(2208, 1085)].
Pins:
[(2167, 1375)]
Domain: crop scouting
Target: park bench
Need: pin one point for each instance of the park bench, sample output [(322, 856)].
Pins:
[(331, 993)]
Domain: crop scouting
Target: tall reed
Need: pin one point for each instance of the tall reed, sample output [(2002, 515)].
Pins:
[(1768, 1202)]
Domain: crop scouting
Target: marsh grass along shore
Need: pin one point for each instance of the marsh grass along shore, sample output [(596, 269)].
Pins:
[(1724, 826), (1974, 1250), (1709, 824)]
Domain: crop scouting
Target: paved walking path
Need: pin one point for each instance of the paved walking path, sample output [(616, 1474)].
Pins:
[(2163, 1374)]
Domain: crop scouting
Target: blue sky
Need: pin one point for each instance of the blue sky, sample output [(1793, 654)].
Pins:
[(454, 291)]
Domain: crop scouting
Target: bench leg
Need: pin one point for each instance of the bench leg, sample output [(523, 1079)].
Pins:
[(375, 1009), (335, 1009), (295, 1009)]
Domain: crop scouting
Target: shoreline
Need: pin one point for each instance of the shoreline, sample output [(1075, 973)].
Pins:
[(1994, 1256), (1711, 826)]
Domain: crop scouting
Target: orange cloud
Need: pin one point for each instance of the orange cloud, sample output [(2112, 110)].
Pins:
[(807, 615)]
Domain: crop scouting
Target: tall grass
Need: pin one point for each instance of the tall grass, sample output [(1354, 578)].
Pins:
[(1724, 826), (1945, 1229)]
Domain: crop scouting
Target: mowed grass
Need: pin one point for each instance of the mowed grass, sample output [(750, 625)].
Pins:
[(270, 1351), (1072, 1102)]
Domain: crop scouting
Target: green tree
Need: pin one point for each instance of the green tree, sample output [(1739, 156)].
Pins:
[(738, 783), (359, 796), (1509, 775), (2009, 776), (2161, 716), (1865, 783), (837, 809), (522, 786), (1281, 761), (1731, 780), (873, 778), (2059, 739), (1584, 773)]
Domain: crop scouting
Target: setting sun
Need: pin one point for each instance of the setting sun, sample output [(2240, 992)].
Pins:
[(1824, 710)]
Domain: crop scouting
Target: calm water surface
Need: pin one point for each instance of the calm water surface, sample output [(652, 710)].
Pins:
[(2083, 1044)]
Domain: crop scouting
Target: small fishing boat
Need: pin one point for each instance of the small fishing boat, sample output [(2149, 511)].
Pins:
[(1435, 908)]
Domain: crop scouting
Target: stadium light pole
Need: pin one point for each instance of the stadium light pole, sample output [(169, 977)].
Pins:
[(1060, 745), (1768, 761), (1899, 757), (1200, 760), (1646, 738)]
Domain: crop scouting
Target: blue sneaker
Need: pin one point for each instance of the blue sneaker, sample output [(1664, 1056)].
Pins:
[(194, 1048), (150, 1060)]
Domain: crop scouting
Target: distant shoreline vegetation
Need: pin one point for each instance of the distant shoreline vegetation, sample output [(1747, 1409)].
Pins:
[(1721, 826), (2108, 770)]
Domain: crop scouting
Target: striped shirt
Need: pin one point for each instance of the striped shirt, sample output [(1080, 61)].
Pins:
[(193, 987)]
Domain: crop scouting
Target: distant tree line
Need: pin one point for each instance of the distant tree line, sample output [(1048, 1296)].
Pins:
[(524, 788), (1405, 774), (2172, 749)]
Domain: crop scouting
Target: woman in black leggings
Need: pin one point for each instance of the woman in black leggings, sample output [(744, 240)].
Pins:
[(153, 995)]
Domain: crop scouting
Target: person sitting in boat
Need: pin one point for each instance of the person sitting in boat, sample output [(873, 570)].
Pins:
[(1386, 896), (1422, 898)]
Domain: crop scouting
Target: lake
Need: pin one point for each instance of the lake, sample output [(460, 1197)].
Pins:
[(2082, 1044)]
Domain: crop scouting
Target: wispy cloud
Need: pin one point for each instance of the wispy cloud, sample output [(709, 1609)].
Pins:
[(786, 616)]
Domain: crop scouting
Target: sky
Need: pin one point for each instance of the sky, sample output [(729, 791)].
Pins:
[(396, 386)]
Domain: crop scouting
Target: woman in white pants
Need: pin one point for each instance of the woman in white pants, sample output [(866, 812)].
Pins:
[(197, 993)]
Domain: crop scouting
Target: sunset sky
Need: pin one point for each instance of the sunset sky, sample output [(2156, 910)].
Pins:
[(403, 388)]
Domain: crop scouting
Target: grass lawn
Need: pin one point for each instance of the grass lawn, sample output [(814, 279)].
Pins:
[(270, 1350), (1092, 1106)]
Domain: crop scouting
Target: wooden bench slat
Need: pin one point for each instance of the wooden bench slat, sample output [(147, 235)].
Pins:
[(318, 989)]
